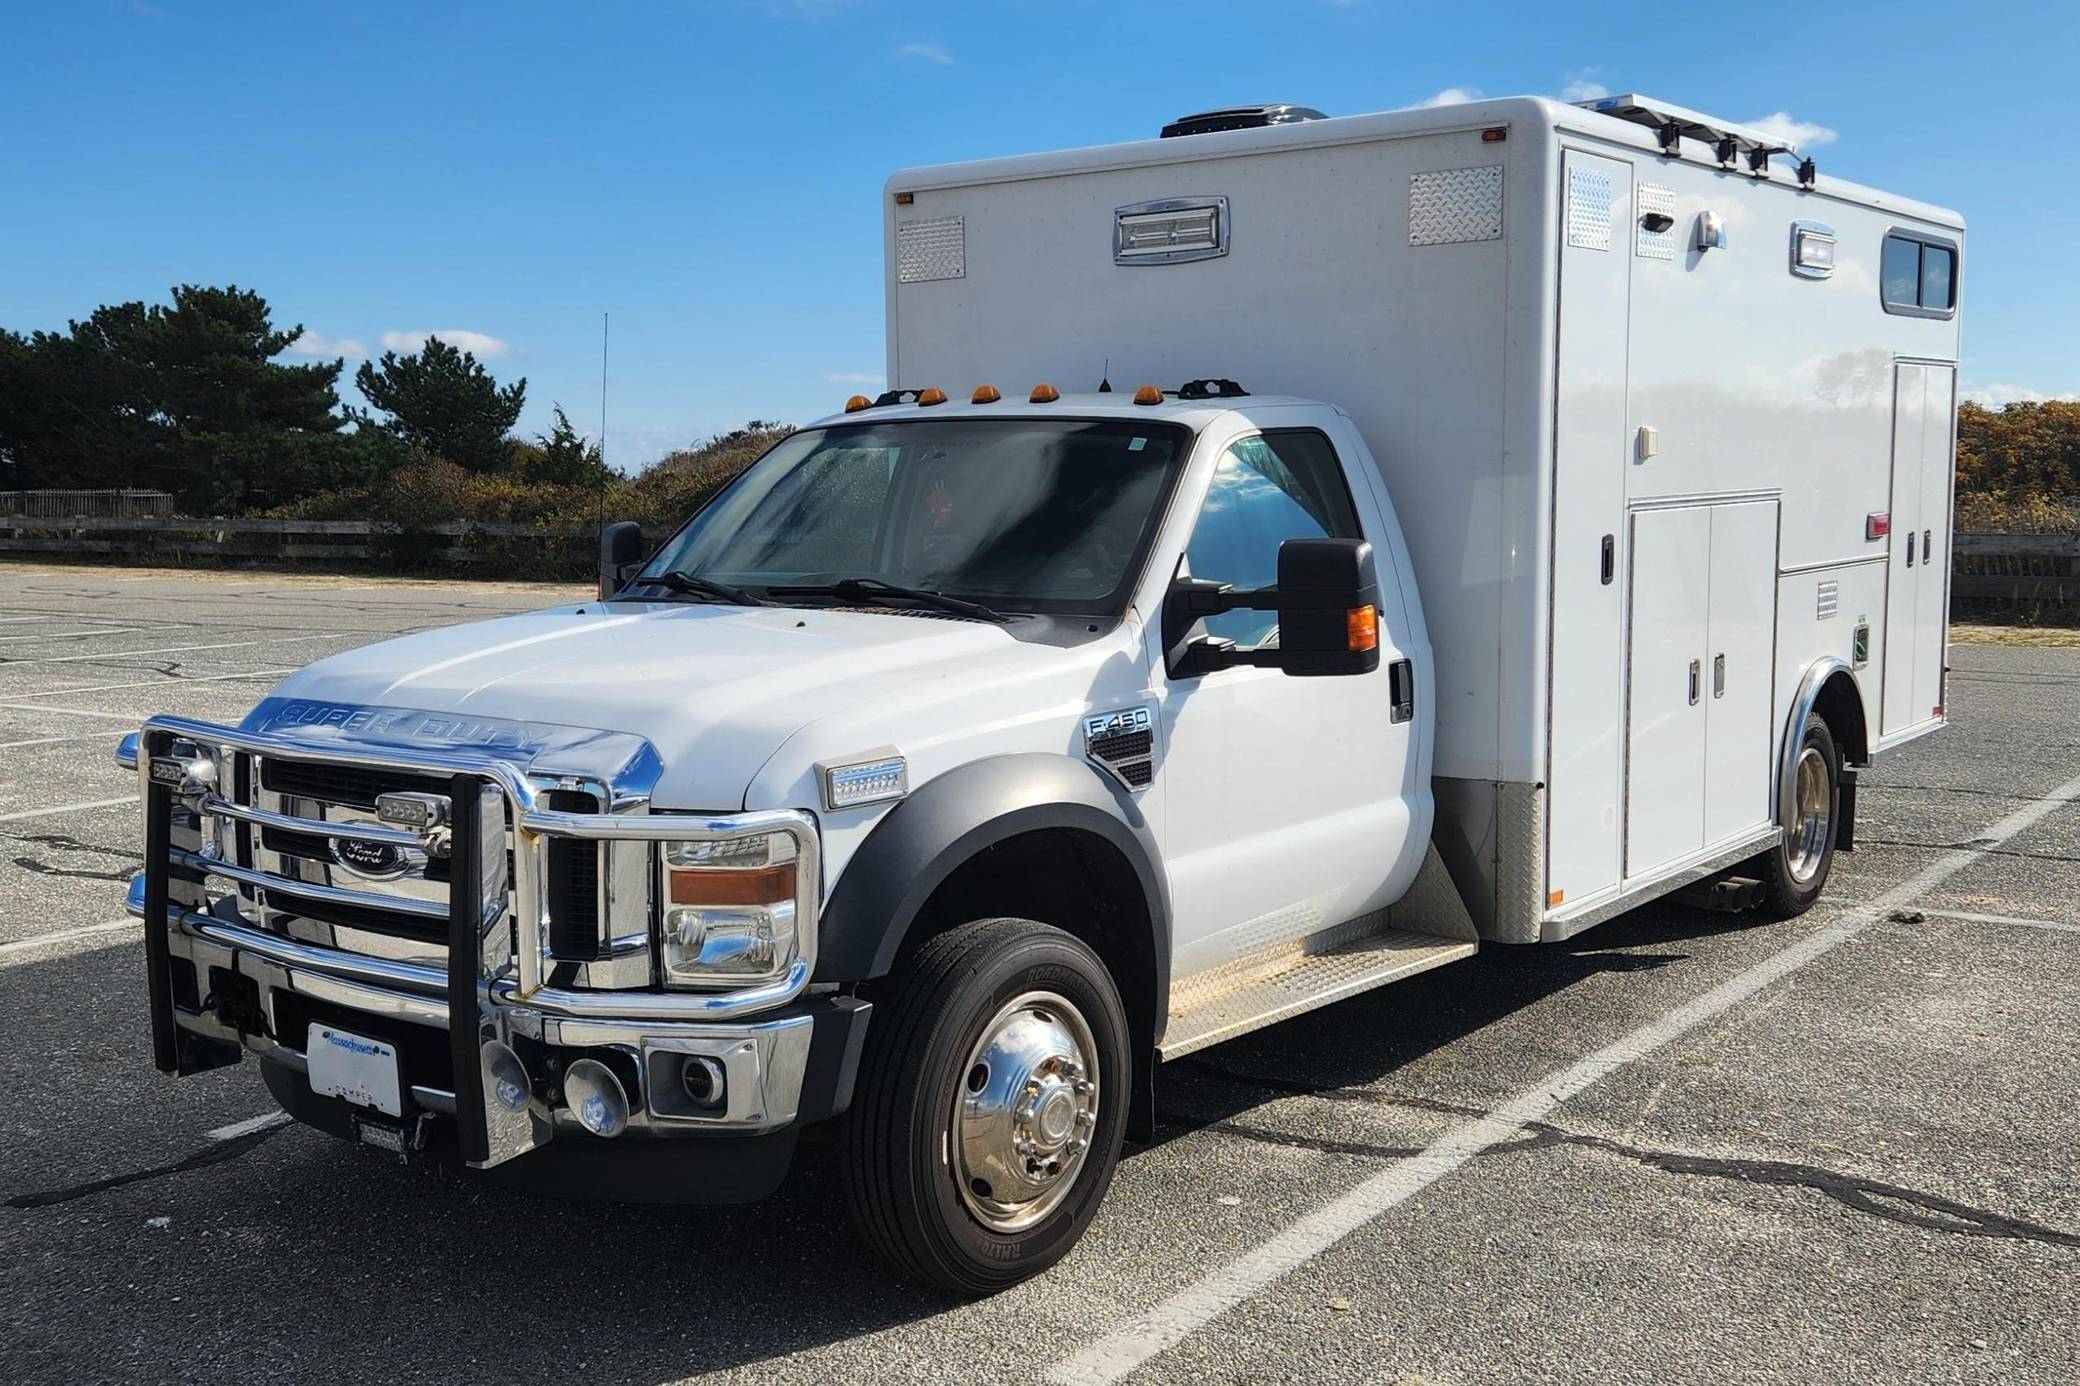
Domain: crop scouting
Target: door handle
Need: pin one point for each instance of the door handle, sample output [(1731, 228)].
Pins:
[(1910, 548), (1719, 676), (1401, 689), (1928, 546), (1610, 558), (1696, 667)]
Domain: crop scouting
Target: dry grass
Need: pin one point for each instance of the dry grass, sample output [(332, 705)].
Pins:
[(2042, 637)]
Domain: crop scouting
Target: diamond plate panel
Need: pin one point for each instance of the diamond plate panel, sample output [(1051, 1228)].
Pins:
[(1520, 861), (1655, 245), (1450, 205), (1588, 208), (927, 250)]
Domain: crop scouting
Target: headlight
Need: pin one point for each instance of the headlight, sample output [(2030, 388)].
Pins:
[(729, 913)]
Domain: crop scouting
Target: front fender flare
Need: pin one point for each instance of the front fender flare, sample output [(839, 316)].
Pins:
[(951, 817)]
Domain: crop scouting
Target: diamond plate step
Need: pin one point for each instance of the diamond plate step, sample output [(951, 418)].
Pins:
[(1263, 990)]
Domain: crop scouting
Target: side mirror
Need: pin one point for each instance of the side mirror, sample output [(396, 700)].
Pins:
[(620, 549), (1327, 600), (1328, 607)]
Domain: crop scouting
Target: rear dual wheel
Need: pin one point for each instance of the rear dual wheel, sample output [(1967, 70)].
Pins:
[(991, 1100), (1794, 872)]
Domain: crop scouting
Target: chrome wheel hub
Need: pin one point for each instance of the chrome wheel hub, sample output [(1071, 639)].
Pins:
[(1812, 816), (1025, 1111)]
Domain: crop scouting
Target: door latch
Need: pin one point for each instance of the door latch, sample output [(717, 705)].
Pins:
[(1719, 676), (1696, 668), (1910, 548)]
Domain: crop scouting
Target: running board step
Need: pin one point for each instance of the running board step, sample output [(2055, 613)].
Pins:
[(1254, 992)]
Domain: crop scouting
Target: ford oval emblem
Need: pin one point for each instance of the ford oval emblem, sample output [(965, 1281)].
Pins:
[(376, 861)]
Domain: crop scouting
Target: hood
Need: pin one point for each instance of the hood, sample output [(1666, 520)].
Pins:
[(714, 689)]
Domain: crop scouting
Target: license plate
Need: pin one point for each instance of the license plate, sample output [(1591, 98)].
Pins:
[(363, 1071)]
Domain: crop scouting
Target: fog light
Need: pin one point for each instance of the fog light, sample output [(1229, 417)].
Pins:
[(510, 1085), (596, 1097), (704, 1081)]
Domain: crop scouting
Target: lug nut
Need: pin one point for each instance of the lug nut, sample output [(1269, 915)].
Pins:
[(1085, 1087)]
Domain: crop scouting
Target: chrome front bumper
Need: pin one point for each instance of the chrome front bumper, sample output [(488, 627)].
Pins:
[(220, 986)]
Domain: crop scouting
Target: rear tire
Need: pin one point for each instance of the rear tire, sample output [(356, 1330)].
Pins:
[(1795, 871), (991, 1101)]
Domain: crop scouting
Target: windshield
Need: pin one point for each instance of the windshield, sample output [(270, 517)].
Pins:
[(1025, 515)]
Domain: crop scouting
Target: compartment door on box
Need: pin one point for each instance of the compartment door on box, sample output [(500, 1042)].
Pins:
[(1932, 591), (1667, 694), (1917, 585), (1584, 770), (1739, 671)]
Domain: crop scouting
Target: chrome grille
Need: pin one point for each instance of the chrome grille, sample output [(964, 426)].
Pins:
[(297, 874)]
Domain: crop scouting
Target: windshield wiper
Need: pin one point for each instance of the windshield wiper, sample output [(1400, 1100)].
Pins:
[(865, 590), (677, 581)]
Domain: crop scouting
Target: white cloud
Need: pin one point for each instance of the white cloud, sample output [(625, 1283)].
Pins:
[(854, 377), (927, 52), (478, 344), (2001, 396), (318, 345), (1452, 96), (1779, 125), (1582, 89)]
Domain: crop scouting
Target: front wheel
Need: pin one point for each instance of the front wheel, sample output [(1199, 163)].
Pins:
[(991, 1101), (1794, 872)]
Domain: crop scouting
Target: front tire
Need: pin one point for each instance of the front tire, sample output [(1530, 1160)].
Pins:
[(1794, 872), (990, 1105)]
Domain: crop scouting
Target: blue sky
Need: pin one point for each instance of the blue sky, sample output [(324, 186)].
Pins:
[(709, 173)]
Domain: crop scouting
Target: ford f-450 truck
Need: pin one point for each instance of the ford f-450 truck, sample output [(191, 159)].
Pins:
[(1530, 510)]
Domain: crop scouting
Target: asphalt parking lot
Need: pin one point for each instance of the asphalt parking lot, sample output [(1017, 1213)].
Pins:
[(1681, 1148)]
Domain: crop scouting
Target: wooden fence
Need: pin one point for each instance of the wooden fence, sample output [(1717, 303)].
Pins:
[(2020, 569), (322, 541), (2016, 569)]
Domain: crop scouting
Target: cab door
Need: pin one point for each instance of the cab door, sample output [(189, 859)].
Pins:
[(1288, 802)]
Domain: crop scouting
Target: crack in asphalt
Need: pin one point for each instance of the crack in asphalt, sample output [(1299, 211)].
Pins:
[(69, 843), (215, 1153), (43, 868), (1975, 845), (65, 842), (1893, 1202)]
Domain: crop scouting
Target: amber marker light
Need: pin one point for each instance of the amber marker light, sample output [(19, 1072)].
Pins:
[(1361, 628), (927, 398), (1043, 393), (985, 394), (1148, 394), (857, 403)]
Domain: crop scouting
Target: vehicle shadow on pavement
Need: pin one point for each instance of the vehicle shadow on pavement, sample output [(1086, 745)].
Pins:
[(1364, 1041), (287, 1246)]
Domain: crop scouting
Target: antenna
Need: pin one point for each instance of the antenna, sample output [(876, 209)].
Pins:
[(1105, 380), (604, 320)]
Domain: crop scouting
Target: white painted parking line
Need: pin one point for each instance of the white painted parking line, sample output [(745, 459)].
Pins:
[(135, 719), (9, 951), (105, 734), (1970, 918), (56, 809), (250, 1125), (69, 634), (166, 650), (148, 683), (1147, 1334)]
